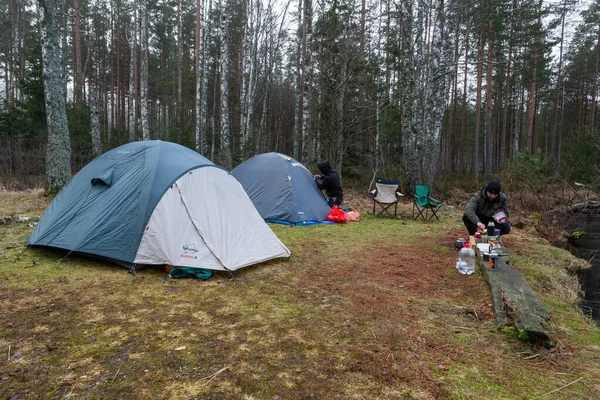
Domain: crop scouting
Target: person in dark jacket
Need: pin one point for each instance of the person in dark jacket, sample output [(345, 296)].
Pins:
[(489, 204), (330, 182)]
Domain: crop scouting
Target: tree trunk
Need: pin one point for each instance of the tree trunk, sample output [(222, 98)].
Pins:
[(179, 102), (478, 103), (58, 154), (307, 80), (436, 96), (144, 71), (131, 105), (301, 68), (532, 104), (118, 63), (554, 148), (199, 58), (95, 122), (595, 84), (507, 89), (225, 140), (463, 119), (78, 71), (489, 137)]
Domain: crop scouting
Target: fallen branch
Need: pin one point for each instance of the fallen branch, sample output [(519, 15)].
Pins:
[(560, 388), (375, 336), (115, 377), (213, 376), (333, 334)]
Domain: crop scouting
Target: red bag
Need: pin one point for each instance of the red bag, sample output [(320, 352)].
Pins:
[(338, 216)]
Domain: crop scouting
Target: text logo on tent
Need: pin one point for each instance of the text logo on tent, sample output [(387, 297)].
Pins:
[(190, 248)]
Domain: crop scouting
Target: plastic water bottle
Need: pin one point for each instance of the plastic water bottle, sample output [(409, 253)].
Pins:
[(466, 260), (461, 266)]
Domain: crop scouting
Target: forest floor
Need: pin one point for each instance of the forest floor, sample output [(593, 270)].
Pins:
[(366, 310)]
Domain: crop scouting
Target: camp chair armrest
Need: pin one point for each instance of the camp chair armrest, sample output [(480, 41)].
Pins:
[(431, 199)]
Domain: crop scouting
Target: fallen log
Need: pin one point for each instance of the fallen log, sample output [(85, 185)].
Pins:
[(514, 302)]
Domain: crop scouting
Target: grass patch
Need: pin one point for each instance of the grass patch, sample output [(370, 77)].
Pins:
[(373, 309)]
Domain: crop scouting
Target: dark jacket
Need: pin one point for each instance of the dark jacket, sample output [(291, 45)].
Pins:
[(480, 207), (330, 182)]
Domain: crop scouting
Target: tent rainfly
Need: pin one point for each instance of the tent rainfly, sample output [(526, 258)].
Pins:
[(282, 189), (156, 203)]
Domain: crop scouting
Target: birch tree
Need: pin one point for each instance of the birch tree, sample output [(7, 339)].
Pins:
[(58, 153), (133, 53), (224, 136), (95, 122), (423, 100), (299, 85), (306, 80), (144, 70), (179, 101), (78, 67), (199, 65)]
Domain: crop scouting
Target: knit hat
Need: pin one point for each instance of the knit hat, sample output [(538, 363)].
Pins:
[(493, 187)]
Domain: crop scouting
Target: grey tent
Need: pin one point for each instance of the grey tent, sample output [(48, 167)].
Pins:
[(282, 189), (155, 203)]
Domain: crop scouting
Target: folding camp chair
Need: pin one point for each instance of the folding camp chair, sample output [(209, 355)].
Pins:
[(385, 196), (423, 203)]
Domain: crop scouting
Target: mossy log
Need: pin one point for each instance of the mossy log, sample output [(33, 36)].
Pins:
[(513, 300)]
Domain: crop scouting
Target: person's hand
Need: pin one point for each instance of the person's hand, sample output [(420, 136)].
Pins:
[(502, 220), (480, 226), (317, 176)]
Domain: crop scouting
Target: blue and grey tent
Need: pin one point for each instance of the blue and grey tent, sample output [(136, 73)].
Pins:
[(282, 189), (156, 203)]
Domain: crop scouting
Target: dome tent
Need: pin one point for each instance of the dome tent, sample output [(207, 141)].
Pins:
[(282, 189), (155, 203)]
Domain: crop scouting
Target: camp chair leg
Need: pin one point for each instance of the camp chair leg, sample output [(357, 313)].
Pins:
[(419, 213), (385, 208)]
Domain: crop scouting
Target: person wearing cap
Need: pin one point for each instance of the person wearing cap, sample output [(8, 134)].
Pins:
[(489, 204)]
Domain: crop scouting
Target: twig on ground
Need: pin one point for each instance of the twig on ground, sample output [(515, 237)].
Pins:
[(333, 334), (9, 352), (115, 377), (213, 376), (530, 357), (556, 390), (375, 336)]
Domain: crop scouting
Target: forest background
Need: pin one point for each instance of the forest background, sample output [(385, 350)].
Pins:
[(405, 88)]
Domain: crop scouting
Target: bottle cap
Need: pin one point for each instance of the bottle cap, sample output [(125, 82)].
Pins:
[(467, 245)]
